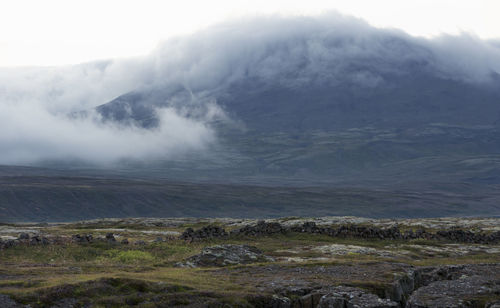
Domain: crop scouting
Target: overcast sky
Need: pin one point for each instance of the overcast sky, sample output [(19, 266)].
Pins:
[(57, 32)]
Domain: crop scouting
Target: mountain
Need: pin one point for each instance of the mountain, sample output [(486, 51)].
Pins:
[(319, 116), (390, 117)]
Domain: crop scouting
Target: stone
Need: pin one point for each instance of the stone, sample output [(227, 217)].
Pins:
[(223, 255), (35, 240), (309, 300), (24, 236), (341, 297), (262, 228), (7, 302), (85, 238), (110, 237), (204, 233), (454, 293), (273, 301)]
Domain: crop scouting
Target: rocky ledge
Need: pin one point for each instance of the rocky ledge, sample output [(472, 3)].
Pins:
[(263, 228)]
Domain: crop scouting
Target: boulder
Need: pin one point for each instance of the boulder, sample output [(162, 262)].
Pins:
[(223, 255), (24, 236)]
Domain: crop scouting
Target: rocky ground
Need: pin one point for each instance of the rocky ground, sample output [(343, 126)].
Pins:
[(288, 262)]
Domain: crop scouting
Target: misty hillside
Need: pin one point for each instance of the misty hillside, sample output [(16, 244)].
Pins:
[(363, 106), (409, 124)]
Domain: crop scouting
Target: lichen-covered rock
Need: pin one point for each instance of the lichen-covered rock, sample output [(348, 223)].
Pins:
[(462, 292), (24, 236), (223, 255), (341, 297)]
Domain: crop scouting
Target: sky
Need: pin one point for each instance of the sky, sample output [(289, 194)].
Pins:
[(61, 32)]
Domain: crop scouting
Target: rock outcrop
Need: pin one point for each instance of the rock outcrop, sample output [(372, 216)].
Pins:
[(341, 297), (207, 232), (463, 292), (263, 228), (456, 286), (85, 238), (223, 255), (7, 302)]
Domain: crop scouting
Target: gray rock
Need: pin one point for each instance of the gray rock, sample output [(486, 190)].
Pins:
[(280, 302), (110, 237), (66, 303), (24, 236), (342, 297), (85, 238), (274, 301), (462, 292), (207, 232), (309, 300), (223, 255), (7, 302)]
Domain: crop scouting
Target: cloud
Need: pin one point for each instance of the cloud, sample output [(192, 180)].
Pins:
[(295, 51), (330, 48), (35, 135)]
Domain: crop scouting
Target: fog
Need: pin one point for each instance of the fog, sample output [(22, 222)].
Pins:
[(38, 105)]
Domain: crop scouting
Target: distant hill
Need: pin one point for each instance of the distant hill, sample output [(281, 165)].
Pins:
[(310, 117)]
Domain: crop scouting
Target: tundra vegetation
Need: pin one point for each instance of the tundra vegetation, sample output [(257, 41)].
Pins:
[(286, 262)]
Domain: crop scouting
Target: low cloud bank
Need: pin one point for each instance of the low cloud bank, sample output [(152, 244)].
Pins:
[(35, 135), (36, 103)]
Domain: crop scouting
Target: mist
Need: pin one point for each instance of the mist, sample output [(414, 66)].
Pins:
[(38, 105)]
